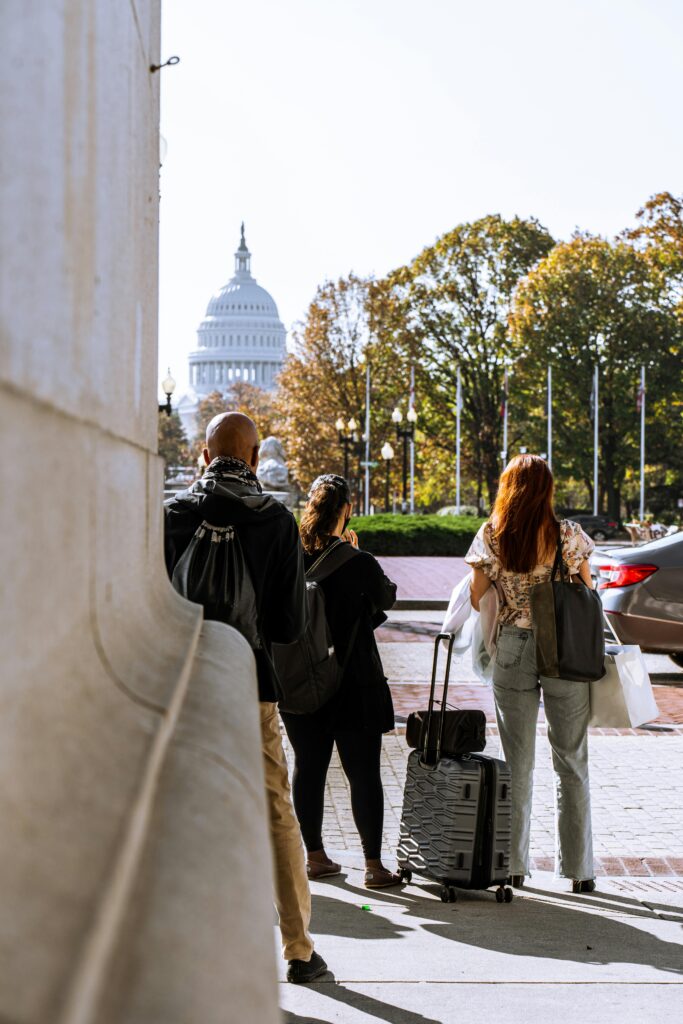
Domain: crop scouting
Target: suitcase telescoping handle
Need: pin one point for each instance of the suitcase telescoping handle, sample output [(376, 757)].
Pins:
[(432, 755)]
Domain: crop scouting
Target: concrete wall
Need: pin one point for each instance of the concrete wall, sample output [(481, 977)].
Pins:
[(134, 858)]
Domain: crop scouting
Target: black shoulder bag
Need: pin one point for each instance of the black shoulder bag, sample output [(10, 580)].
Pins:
[(568, 626)]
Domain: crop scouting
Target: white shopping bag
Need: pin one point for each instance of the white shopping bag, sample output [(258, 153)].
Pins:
[(623, 698)]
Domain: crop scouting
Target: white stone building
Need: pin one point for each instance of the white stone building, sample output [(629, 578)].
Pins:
[(241, 338), (135, 863)]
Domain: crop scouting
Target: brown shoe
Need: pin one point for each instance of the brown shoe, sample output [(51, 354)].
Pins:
[(380, 878), (321, 869)]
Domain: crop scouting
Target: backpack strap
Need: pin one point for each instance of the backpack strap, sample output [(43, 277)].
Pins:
[(331, 559)]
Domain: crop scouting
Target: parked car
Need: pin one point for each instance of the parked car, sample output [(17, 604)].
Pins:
[(642, 594), (597, 527)]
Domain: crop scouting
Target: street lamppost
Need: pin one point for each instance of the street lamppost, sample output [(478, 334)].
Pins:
[(387, 455), (352, 444), (407, 435), (168, 386)]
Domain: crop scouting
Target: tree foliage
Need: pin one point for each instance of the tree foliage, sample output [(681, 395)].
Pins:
[(592, 302), (173, 445), (240, 397), (324, 378), (486, 295), (452, 309), (659, 236)]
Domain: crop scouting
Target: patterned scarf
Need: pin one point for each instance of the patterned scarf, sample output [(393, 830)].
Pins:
[(225, 467)]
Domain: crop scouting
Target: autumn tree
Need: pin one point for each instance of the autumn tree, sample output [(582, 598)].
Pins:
[(452, 308), (239, 397), (324, 378), (173, 445), (592, 302)]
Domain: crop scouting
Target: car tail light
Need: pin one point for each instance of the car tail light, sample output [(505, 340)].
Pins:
[(612, 524), (623, 575)]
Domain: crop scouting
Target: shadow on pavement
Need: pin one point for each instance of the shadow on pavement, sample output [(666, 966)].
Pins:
[(553, 926), (355, 922), (375, 1008)]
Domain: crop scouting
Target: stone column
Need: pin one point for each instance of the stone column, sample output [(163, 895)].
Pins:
[(135, 871)]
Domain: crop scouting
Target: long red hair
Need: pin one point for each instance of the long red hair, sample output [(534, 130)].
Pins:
[(523, 519)]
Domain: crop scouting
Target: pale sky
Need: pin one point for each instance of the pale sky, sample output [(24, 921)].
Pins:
[(349, 135)]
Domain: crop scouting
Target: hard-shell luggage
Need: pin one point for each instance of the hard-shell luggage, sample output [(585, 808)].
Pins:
[(455, 824)]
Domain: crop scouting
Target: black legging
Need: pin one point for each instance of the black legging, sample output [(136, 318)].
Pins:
[(359, 753)]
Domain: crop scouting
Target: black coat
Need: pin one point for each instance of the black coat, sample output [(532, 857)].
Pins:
[(272, 549), (358, 592)]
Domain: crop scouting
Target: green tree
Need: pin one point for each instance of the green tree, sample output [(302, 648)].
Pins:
[(659, 237), (452, 305), (173, 445), (592, 302)]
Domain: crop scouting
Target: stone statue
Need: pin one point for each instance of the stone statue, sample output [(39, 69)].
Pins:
[(272, 469)]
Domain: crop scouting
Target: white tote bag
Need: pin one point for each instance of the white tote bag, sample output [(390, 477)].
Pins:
[(623, 698)]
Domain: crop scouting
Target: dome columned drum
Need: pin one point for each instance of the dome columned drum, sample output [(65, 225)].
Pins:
[(241, 337)]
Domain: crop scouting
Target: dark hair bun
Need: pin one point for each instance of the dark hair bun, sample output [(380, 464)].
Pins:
[(328, 496)]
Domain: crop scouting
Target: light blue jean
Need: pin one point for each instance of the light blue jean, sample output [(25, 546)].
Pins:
[(517, 690)]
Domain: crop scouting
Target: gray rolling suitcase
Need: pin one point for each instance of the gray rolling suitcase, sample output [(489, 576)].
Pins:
[(455, 824)]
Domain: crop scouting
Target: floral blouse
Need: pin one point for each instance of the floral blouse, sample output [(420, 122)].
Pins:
[(513, 587)]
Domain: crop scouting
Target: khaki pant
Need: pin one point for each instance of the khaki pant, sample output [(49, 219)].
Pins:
[(292, 893)]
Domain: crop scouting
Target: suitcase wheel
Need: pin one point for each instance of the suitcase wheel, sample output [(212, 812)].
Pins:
[(448, 894), (500, 894), (509, 895), (406, 875)]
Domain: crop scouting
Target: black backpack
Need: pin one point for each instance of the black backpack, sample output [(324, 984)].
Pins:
[(308, 671), (213, 572)]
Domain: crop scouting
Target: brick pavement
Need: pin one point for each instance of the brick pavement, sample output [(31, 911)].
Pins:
[(637, 818), (424, 577), (637, 812), (410, 697)]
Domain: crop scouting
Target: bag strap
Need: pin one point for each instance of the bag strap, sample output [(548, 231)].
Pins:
[(559, 560), (341, 552)]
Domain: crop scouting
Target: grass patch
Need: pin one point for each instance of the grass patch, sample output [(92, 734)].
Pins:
[(388, 534)]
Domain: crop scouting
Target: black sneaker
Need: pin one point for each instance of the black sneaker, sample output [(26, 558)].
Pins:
[(584, 885), (299, 972)]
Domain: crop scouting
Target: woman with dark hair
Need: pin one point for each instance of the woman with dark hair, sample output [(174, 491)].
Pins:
[(513, 551), (357, 594)]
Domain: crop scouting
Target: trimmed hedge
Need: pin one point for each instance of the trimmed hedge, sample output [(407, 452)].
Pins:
[(416, 535)]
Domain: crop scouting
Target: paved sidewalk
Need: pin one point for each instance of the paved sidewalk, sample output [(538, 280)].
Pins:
[(611, 957), (403, 957)]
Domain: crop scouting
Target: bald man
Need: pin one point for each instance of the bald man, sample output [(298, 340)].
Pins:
[(229, 494)]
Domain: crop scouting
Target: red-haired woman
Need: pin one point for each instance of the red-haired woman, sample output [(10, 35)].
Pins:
[(514, 550)]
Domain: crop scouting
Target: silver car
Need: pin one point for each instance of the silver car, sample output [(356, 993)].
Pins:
[(642, 594)]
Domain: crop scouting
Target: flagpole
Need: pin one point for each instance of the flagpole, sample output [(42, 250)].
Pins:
[(596, 386), (458, 407), (367, 439), (411, 405), (642, 443), (505, 417), (550, 417)]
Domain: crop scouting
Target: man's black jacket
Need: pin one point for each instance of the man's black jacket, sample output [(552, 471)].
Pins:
[(270, 541)]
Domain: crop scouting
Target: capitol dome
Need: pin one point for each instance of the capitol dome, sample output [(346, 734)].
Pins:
[(241, 337)]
